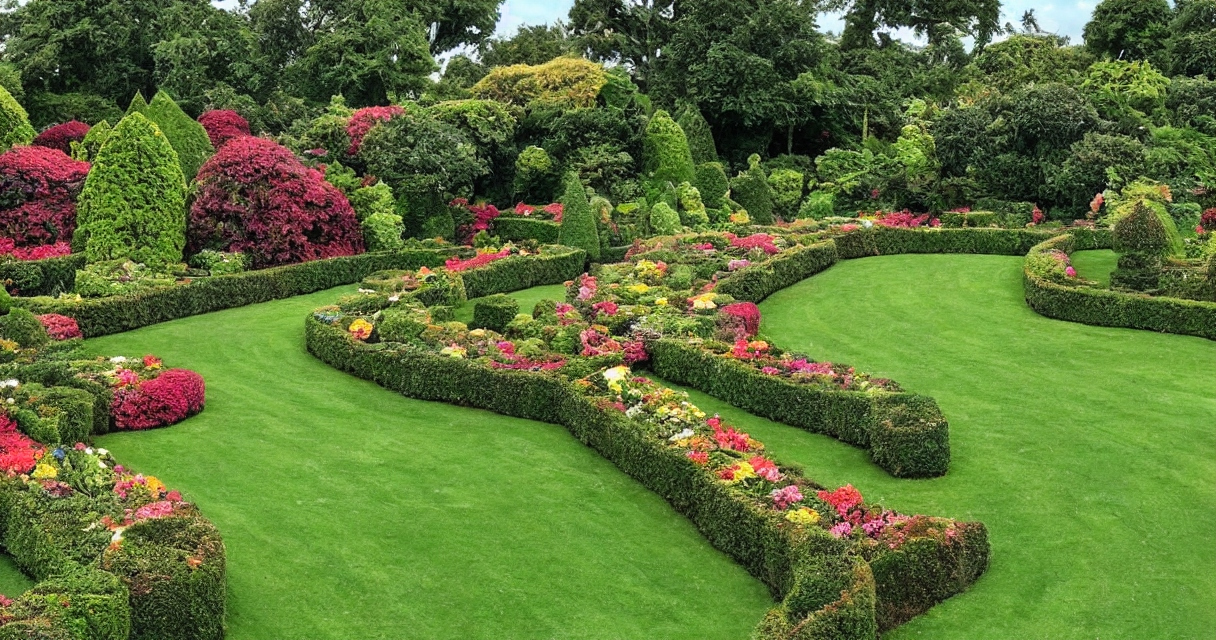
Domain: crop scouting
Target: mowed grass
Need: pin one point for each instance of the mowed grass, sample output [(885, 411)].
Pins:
[(1089, 452), (1095, 265), (349, 511)]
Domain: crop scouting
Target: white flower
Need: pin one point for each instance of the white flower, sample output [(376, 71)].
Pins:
[(394, 298), (11, 401), (683, 435), (88, 450), (11, 382), (103, 452), (367, 291), (867, 224), (118, 359), (616, 374), (117, 537)]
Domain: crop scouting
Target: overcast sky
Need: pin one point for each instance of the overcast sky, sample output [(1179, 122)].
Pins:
[(1066, 18)]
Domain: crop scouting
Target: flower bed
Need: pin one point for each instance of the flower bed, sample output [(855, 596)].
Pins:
[(116, 554)]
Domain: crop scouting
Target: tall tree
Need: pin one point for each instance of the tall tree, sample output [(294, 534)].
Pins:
[(629, 32), (1129, 29), (933, 19), (533, 45)]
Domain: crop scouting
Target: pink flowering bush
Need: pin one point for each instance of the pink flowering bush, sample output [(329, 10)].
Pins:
[(456, 265), (61, 136), (254, 197), (364, 119), (60, 327), (38, 191), (171, 397), (223, 125)]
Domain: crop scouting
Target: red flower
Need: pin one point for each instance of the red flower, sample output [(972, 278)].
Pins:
[(480, 260), (698, 457), (61, 136), (18, 453), (843, 499), (364, 119), (166, 399), (38, 189), (748, 313)]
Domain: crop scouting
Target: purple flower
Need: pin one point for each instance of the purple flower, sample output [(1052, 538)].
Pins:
[(785, 496), (737, 264)]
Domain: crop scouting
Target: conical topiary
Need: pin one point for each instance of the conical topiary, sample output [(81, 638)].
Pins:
[(14, 122), (1140, 231), (700, 138), (138, 104), (578, 223), (133, 204), (665, 152), (188, 137), (86, 149)]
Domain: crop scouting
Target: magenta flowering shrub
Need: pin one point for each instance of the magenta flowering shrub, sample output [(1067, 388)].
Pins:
[(364, 119), (254, 197), (223, 125), (483, 215), (170, 397), (38, 191), (61, 136), (60, 327)]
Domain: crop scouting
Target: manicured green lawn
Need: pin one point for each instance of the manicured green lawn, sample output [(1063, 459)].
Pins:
[(349, 511), (1089, 452), (1095, 265)]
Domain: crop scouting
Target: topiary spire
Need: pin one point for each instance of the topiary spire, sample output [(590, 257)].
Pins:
[(1141, 232), (14, 122), (188, 137), (133, 204), (578, 223), (666, 153), (138, 104), (700, 138)]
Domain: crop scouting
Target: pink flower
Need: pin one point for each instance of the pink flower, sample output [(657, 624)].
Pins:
[(765, 468), (735, 265), (841, 530), (1072, 273), (785, 496), (770, 371), (607, 307)]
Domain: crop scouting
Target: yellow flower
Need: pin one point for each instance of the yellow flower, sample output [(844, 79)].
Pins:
[(477, 333), (640, 287), (154, 485), (360, 329), (704, 302), (740, 218), (454, 351), (614, 376), (45, 471), (742, 471), (662, 302), (803, 515)]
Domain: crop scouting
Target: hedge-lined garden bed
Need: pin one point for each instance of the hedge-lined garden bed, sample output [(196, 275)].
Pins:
[(116, 554)]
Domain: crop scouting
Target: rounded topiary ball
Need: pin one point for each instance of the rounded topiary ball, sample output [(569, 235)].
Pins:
[(24, 328)]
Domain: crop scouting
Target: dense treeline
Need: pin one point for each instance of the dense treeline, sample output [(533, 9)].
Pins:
[(980, 113)]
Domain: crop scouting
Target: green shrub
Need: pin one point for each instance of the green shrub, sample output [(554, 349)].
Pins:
[(957, 220), (41, 277), (1141, 231), (137, 105), (818, 205), (700, 137), (665, 153), (494, 312), (516, 228), (712, 183), (403, 323), (752, 191), (787, 187), (372, 200), (86, 150), (187, 137), (6, 301), (664, 221), (219, 263), (133, 204), (383, 231), (536, 175), (692, 209), (578, 228), (24, 328), (14, 122)]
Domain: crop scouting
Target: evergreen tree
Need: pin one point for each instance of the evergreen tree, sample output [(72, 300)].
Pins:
[(138, 104), (752, 191), (188, 137), (664, 221), (14, 122), (133, 204), (578, 224)]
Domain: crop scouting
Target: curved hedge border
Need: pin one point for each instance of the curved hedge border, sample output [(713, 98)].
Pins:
[(801, 566), (1108, 308), (906, 434)]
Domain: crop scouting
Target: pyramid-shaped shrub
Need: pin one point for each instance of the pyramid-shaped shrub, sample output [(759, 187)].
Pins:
[(14, 122), (578, 223), (133, 204), (255, 197), (665, 151), (188, 137)]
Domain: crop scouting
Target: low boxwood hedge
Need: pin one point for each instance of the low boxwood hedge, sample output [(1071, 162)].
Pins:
[(820, 583), (553, 265), (757, 282), (41, 277), (516, 228), (906, 434), (1107, 308), (114, 314)]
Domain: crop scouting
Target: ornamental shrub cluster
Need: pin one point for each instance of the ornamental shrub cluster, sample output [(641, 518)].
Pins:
[(38, 190), (362, 121), (187, 137), (172, 396), (134, 200), (254, 197)]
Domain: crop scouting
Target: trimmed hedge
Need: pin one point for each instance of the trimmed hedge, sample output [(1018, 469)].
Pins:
[(1107, 308), (906, 434), (886, 241), (515, 228), (757, 282), (41, 277), (494, 312), (103, 316), (524, 272), (812, 574)]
